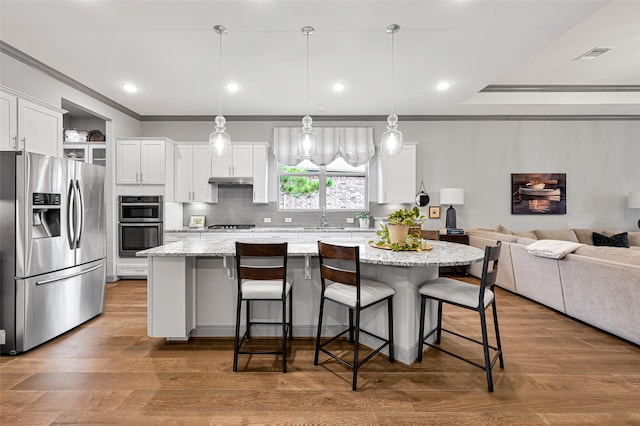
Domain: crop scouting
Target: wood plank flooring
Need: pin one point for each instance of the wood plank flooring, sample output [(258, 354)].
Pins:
[(557, 372)]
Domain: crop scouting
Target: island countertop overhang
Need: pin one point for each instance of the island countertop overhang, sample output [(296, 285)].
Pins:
[(442, 254)]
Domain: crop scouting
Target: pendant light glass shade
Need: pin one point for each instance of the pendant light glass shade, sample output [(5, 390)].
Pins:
[(307, 141), (391, 142), (219, 140)]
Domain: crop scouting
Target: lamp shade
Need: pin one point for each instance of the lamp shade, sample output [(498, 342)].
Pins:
[(634, 200), (452, 196)]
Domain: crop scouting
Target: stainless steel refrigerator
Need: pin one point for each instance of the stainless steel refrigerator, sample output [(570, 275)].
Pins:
[(52, 247)]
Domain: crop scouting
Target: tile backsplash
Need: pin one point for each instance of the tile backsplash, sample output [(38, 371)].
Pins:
[(235, 206)]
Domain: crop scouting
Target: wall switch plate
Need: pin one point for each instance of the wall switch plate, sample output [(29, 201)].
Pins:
[(288, 220), (349, 220), (267, 220), (3, 337)]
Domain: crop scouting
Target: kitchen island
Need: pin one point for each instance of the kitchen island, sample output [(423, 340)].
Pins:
[(192, 289)]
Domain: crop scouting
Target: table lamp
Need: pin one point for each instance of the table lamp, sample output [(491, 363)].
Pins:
[(451, 196), (634, 202)]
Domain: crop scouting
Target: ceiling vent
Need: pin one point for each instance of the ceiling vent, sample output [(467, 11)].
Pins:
[(592, 54)]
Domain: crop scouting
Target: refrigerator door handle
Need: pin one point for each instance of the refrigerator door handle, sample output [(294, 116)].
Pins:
[(71, 237), (66, 277), (80, 216)]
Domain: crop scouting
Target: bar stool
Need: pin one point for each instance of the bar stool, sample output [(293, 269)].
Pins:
[(468, 296), (262, 276), (350, 290)]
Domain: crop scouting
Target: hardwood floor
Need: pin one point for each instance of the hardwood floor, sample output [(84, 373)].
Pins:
[(557, 371)]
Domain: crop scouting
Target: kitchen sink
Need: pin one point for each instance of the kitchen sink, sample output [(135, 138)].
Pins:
[(326, 228)]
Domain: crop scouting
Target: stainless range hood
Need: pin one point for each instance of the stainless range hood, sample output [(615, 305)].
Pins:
[(231, 180)]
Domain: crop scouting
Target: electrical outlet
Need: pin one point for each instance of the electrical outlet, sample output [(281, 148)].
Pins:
[(267, 220), (349, 220), (288, 220), (2, 337)]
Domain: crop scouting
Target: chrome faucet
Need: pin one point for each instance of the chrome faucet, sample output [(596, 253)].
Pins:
[(323, 219)]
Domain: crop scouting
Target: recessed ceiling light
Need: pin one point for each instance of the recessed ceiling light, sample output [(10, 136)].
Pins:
[(232, 86), (339, 87), (129, 87), (443, 85)]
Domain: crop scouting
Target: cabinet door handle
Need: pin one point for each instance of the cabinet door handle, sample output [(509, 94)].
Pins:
[(137, 180), (141, 180), (15, 141), (24, 143)]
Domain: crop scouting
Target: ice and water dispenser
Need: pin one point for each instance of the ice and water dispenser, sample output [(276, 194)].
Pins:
[(46, 215)]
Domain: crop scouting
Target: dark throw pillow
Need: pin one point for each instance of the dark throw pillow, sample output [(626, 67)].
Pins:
[(618, 240)]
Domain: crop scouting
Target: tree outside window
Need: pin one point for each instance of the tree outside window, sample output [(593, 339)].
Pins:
[(337, 186)]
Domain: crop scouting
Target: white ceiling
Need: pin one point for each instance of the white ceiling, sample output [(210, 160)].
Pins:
[(170, 51)]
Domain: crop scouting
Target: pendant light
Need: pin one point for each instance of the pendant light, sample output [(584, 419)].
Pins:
[(307, 142), (391, 142), (219, 140)]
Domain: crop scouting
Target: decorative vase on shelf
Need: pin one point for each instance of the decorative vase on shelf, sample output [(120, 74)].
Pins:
[(364, 222), (397, 233)]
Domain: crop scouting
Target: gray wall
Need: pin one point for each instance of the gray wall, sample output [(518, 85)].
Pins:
[(601, 160)]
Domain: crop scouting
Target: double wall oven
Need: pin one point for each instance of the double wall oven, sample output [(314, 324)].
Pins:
[(140, 224)]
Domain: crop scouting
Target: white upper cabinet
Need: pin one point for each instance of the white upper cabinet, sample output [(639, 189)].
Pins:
[(261, 173), (239, 165), (192, 172), (140, 161), (397, 176), (9, 122), (30, 125)]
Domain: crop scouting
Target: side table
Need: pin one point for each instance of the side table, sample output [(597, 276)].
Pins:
[(454, 238)]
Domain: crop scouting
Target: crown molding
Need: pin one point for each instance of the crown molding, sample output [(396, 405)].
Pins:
[(63, 78), (540, 88)]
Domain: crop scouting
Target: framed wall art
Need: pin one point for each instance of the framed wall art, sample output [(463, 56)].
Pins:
[(434, 212), (538, 193), (196, 222)]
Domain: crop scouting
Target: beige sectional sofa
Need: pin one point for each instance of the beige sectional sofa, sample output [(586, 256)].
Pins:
[(597, 285)]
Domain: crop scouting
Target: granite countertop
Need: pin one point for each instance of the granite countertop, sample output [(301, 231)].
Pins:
[(276, 229), (443, 253)]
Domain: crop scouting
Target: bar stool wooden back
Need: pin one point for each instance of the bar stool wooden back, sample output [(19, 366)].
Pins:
[(340, 266), (261, 271), (468, 296)]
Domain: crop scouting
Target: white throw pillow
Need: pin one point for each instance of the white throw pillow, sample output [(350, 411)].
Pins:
[(553, 249)]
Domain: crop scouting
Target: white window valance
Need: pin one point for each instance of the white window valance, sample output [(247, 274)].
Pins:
[(353, 144)]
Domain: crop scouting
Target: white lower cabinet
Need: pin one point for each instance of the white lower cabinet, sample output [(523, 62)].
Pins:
[(172, 237)]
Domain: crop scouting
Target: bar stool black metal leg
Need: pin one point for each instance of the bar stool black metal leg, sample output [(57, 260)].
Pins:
[(236, 345), (485, 346), (392, 357), (350, 325), (248, 305), (495, 324), (315, 358), (439, 332), (284, 334), (423, 300), (291, 314), (356, 364)]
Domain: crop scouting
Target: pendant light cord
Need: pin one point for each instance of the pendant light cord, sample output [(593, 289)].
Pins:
[(220, 72), (307, 97), (393, 35)]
